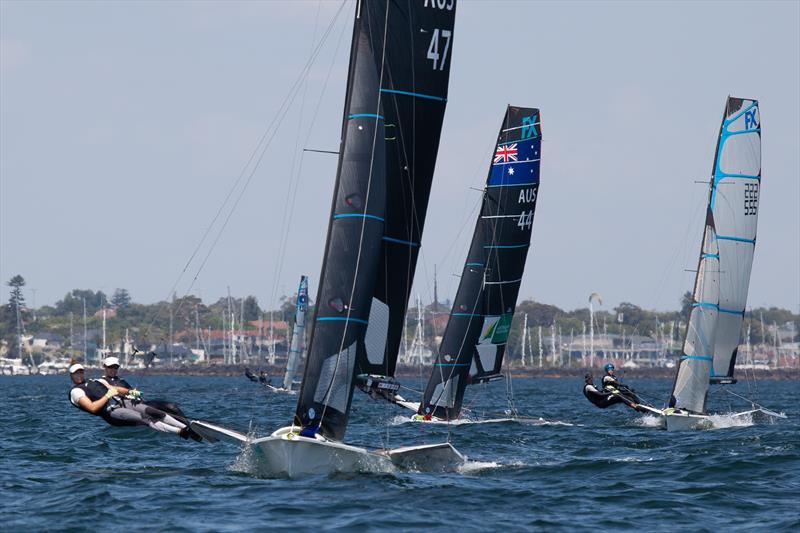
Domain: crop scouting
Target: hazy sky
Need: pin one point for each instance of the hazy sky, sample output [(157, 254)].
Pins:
[(124, 125)]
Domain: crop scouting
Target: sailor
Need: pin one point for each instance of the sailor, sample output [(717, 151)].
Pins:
[(111, 369), (263, 379), (603, 398), (106, 401), (610, 380), (611, 383)]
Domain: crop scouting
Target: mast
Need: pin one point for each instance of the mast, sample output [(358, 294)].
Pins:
[(474, 341), (298, 333), (726, 256), (85, 333)]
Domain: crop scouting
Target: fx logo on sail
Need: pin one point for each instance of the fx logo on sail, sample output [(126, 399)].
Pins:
[(750, 121), (529, 127)]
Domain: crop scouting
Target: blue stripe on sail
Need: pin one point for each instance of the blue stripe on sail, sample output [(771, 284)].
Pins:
[(701, 357), (507, 246), (741, 112), (474, 264), (707, 305), (731, 133), (399, 241), (415, 95), (351, 215), (465, 314), (341, 319), (370, 115), (722, 175), (737, 239), (731, 311), (711, 256)]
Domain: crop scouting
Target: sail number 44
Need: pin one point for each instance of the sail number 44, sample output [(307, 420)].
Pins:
[(751, 198)]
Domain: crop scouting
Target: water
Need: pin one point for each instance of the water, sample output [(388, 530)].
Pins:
[(61, 469)]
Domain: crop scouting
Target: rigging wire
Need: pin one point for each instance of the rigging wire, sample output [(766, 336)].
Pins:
[(253, 161)]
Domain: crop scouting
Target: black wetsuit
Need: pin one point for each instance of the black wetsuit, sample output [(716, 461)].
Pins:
[(602, 399)]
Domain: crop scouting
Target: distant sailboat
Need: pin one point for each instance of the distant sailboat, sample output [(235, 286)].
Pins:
[(395, 102), (720, 290), (474, 341)]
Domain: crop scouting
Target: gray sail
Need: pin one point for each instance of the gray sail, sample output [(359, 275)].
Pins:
[(726, 257), (298, 333)]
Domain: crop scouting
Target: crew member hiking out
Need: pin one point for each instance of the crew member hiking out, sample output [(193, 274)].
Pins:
[(116, 405), (611, 383), (603, 398)]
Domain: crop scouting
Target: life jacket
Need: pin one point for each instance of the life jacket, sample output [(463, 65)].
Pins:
[(610, 381), (117, 381), (94, 391)]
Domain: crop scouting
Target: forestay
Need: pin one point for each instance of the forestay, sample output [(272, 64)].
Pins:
[(399, 58), (726, 257), (474, 341)]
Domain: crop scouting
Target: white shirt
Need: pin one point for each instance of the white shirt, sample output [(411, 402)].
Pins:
[(75, 396)]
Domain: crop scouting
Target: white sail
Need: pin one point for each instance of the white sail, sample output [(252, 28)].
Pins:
[(734, 203), (723, 273)]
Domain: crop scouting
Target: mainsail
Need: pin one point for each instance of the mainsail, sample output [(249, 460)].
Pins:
[(298, 333), (414, 97), (398, 49), (474, 341), (726, 257)]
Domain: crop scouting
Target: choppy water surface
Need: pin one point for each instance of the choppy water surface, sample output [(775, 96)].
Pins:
[(61, 469)]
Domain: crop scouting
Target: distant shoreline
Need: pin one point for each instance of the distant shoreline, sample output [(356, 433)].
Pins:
[(783, 374)]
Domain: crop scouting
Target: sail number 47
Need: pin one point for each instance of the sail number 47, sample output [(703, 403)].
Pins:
[(433, 48)]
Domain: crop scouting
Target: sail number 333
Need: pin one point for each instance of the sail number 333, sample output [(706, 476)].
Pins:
[(751, 198)]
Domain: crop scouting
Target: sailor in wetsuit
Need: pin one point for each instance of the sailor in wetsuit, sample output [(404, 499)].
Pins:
[(105, 400), (604, 398), (611, 383)]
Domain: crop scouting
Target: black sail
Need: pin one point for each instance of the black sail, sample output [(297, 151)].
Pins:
[(474, 341), (384, 49), (414, 97)]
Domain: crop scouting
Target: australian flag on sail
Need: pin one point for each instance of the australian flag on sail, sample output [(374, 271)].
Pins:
[(517, 155)]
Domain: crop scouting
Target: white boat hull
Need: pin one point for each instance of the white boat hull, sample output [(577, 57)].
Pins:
[(287, 454), (291, 455), (686, 421)]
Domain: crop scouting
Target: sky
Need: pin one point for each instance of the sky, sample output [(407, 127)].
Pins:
[(125, 125)]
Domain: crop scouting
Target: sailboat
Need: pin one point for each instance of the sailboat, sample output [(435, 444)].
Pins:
[(396, 95), (474, 341), (719, 297), (297, 344)]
